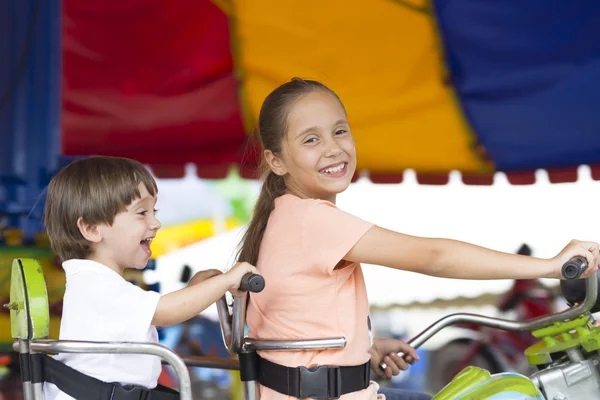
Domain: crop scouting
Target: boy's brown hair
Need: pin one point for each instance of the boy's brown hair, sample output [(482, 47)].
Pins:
[(94, 189)]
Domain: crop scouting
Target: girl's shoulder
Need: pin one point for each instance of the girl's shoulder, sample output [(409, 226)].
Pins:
[(292, 210)]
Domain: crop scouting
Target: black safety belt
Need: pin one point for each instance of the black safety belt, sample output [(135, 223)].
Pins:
[(318, 382), (83, 387)]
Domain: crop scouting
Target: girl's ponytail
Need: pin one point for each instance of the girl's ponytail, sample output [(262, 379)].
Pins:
[(273, 187)]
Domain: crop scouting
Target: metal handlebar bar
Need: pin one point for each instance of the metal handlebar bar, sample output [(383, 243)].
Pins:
[(232, 328), (509, 325), (73, 346)]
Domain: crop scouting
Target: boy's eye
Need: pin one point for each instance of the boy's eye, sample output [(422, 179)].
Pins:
[(144, 212), (340, 131), (310, 140)]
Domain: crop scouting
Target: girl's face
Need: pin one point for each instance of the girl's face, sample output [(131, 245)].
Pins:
[(318, 156)]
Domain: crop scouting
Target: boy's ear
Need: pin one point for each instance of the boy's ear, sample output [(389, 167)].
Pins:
[(275, 163), (90, 232)]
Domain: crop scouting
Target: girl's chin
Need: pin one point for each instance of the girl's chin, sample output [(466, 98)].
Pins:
[(334, 188)]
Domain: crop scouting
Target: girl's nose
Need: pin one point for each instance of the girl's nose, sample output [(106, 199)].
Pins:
[(333, 149)]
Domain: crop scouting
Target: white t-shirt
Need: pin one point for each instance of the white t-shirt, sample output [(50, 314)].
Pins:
[(99, 305)]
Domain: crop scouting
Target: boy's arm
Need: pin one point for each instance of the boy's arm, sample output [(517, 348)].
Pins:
[(203, 275), (204, 289)]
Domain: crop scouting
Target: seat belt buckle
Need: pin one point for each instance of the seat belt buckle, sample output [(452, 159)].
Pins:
[(320, 382), (129, 392)]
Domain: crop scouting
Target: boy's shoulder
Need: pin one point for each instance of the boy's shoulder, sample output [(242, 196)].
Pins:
[(90, 282), (91, 279), (88, 267)]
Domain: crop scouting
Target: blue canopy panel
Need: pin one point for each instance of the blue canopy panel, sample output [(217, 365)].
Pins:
[(527, 73), (30, 82)]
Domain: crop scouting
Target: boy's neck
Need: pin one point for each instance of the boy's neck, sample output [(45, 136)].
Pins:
[(106, 263)]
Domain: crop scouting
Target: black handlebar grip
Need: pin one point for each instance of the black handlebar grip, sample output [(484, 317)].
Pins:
[(252, 283), (573, 268)]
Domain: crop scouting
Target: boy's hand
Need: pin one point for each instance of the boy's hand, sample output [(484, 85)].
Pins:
[(201, 276), (236, 273)]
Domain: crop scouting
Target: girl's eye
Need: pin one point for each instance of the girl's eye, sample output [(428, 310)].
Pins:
[(311, 140), (340, 131), (155, 211)]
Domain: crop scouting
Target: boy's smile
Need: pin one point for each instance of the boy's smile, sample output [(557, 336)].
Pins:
[(146, 245)]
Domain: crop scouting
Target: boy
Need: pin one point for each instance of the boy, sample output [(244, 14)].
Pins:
[(100, 219)]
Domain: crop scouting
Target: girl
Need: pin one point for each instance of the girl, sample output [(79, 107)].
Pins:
[(310, 252)]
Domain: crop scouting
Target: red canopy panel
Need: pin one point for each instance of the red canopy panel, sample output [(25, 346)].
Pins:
[(137, 90)]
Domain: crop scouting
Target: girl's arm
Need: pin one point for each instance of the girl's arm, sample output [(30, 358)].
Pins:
[(454, 259)]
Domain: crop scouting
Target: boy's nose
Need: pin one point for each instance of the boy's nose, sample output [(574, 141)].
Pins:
[(155, 224)]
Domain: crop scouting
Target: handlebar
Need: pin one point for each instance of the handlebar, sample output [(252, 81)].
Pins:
[(508, 325), (252, 283), (232, 326), (573, 268)]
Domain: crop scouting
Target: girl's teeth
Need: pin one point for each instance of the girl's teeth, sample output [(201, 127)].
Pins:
[(334, 169)]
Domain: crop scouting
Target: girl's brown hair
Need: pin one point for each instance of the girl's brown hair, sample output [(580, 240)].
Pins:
[(272, 127)]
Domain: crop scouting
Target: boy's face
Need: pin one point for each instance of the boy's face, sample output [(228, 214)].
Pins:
[(126, 244)]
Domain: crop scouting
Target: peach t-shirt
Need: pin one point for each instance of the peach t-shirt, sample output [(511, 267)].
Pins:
[(305, 297)]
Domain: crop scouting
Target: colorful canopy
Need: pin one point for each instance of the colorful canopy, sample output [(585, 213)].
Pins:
[(465, 85)]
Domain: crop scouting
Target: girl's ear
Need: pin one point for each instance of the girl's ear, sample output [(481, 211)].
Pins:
[(90, 232), (275, 163)]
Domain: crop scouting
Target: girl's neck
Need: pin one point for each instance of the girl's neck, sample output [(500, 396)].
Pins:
[(304, 195)]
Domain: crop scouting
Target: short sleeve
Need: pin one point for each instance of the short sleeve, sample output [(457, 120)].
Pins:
[(328, 234), (134, 309)]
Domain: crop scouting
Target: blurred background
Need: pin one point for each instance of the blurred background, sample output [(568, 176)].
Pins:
[(474, 120)]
